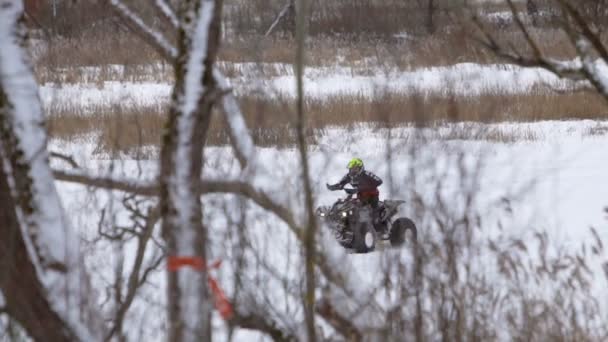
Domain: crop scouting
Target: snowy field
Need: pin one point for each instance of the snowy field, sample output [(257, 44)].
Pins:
[(518, 178), (271, 80), (554, 183)]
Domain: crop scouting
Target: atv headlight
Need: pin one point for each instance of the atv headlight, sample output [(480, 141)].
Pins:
[(322, 214), (344, 214)]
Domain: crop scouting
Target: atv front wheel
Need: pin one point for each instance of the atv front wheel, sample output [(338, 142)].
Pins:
[(365, 239), (403, 229)]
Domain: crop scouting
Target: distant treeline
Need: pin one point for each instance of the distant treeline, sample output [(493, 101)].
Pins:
[(376, 18)]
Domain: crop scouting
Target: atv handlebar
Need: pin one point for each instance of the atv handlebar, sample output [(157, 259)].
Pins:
[(334, 187), (350, 191)]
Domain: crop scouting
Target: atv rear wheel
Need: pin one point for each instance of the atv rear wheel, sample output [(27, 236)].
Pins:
[(365, 239), (403, 229)]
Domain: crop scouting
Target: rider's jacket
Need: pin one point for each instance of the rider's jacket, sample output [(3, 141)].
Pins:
[(365, 182)]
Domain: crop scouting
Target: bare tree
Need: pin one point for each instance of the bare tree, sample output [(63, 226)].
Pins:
[(532, 10), (311, 225), (582, 36)]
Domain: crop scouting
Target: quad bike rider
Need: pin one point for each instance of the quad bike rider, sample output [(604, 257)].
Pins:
[(366, 185)]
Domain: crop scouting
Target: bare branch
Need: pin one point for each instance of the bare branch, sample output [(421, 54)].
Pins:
[(259, 197), (261, 322), (130, 186), (535, 49), (561, 69), (586, 29), (289, 6), (584, 39), (207, 187), (64, 158), (337, 321), (135, 280)]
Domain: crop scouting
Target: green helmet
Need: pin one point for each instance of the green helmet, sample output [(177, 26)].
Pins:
[(355, 162)]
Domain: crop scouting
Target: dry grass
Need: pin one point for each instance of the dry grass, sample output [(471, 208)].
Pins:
[(122, 57), (491, 134), (342, 31), (60, 60), (118, 129), (127, 129), (597, 130), (421, 109), (94, 48), (160, 73), (444, 48)]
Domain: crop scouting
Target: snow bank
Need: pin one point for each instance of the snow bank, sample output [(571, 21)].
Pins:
[(466, 79)]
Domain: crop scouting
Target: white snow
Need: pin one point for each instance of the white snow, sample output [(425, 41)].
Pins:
[(554, 181), (465, 79), (89, 97), (506, 17)]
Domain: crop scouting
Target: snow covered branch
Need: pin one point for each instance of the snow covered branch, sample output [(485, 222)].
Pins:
[(167, 12), (130, 186), (239, 134), (257, 196), (43, 241), (587, 44), (147, 33)]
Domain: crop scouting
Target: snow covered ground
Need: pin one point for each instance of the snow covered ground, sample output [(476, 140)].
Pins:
[(269, 80), (553, 183), (518, 178)]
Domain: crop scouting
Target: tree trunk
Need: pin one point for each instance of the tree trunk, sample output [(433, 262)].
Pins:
[(25, 296), (430, 17), (189, 303)]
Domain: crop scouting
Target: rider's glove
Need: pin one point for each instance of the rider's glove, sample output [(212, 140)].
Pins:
[(333, 187)]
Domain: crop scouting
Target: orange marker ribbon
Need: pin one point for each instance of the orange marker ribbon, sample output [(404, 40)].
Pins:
[(222, 304)]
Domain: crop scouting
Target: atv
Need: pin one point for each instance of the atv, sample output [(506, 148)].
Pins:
[(354, 226)]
